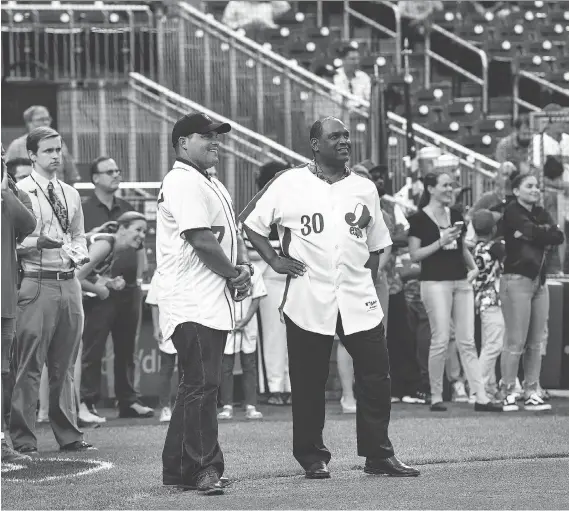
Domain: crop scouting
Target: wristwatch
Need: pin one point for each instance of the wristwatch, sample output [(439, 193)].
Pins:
[(251, 269)]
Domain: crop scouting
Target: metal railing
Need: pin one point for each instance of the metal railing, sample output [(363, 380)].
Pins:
[(269, 94), (518, 101), (242, 150), (236, 77), (377, 27), (430, 55), (85, 42)]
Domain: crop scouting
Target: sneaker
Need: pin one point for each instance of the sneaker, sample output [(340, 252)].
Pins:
[(43, 417), (11, 456), (415, 399), (395, 399), (252, 413), (472, 399), (165, 414), (86, 416), (347, 408), (226, 413), (518, 390), (136, 411), (275, 399), (459, 394), (93, 410), (510, 404), (535, 404)]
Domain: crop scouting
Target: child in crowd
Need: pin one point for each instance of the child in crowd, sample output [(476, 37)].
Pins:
[(243, 341), (167, 357), (489, 254)]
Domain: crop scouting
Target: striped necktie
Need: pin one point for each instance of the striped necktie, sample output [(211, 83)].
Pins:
[(58, 207)]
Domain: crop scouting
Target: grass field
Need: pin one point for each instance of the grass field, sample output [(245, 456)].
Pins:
[(468, 460)]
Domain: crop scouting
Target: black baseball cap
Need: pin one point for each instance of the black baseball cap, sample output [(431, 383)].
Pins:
[(196, 123)]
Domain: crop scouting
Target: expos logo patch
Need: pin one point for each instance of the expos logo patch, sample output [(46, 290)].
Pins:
[(358, 220)]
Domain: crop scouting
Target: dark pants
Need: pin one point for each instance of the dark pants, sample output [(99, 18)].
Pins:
[(249, 365), (402, 346), (191, 442), (421, 331), (167, 366), (309, 359), (119, 315)]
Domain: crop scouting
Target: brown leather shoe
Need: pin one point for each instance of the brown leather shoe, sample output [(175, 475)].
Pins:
[(390, 467), (318, 470)]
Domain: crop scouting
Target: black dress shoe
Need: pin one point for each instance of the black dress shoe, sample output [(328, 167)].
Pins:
[(318, 470), (389, 466), (224, 481), (77, 446), (208, 483), (438, 407), (27, 449), (488, 407)]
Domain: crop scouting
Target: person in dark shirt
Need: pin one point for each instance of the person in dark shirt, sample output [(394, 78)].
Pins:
[(119, 313), (18, 221), (529, 233), (447, 272)]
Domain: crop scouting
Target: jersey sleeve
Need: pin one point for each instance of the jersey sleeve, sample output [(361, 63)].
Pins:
[(187, 201), (151, 298), (258, 289), (378, 236), (263, 210)]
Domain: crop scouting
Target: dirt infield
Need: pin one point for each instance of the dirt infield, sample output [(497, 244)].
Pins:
[(468, 460)]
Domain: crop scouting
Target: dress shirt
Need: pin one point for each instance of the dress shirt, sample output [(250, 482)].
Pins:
[(51, 259)]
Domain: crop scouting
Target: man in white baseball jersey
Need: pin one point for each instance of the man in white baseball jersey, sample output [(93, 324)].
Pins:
[(201, 262), (332, 231)]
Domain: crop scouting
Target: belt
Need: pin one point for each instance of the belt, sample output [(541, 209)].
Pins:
[(50, 275)]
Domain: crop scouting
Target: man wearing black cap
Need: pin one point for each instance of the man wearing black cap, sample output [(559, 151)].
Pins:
[(202, 268)]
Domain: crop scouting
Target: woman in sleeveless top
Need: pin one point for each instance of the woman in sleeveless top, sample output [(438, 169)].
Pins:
[(94, 276)]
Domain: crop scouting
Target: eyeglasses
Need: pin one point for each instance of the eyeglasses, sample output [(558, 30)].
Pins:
[(112, 172)]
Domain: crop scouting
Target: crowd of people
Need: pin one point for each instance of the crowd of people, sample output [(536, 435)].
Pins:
[(72, 272)]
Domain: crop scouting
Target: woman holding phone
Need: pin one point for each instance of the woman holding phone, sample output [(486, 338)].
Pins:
[(447, 271), (529, 232)]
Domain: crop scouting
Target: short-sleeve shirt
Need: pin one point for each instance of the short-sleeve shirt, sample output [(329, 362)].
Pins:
[(104, 267), (188, 291), (488, 256), (96, 214), (246, 340), (166, 346), (444, 264), (331, 228)]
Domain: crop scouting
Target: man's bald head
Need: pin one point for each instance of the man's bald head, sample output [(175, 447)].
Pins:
[(330, 141)]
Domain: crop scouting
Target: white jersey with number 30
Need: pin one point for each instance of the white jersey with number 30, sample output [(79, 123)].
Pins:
[(188, 290)]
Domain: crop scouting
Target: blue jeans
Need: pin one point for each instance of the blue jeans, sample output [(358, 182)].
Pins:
[(446, 302), (525, 305)]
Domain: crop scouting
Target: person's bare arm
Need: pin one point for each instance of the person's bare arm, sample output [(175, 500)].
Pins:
[(384, 257), (208, 249), (253, 308)]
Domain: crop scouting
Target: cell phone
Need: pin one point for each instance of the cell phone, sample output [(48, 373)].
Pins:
[(459, 225)]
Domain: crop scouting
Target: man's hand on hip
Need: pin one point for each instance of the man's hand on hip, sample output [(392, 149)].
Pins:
[(288, 266)]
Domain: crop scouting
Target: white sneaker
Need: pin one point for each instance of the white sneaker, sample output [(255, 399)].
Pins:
[(347, 408), (518, 390), (252, 413), (165, 414), (226, 413), (43, 417), (535, 404), (459, 394), (510, 404), (86, 416), (472, 399), (395, 399)]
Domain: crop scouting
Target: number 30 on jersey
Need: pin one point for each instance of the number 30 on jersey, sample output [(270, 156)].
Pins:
[(314, 223)]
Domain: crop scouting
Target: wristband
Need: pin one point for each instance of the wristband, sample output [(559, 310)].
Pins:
[(251, 269)]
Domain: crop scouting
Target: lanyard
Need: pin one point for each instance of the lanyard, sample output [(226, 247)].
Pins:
[(51, 204)]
